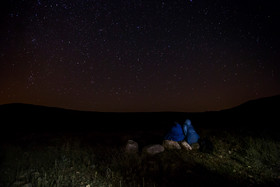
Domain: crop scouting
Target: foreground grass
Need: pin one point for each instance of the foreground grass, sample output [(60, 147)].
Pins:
[(73, 161)]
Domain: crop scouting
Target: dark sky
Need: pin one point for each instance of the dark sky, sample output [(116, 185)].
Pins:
[(136, 55)]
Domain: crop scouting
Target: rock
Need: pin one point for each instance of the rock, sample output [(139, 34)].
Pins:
[(153, 149), (185, 145), (131, 147), (169, 144), (195, 146)]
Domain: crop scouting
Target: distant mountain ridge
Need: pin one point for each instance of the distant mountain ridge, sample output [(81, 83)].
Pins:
[(257, 113), (265, 103), (27, 116)]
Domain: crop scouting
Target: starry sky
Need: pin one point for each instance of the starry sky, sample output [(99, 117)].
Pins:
[(139, 56)]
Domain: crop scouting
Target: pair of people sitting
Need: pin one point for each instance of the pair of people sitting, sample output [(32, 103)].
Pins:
[(181, 136)]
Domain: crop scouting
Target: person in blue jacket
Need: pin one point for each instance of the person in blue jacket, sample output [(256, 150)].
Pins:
[(181, 136)]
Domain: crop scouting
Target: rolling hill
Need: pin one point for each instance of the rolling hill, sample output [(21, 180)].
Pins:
[(26, 117)]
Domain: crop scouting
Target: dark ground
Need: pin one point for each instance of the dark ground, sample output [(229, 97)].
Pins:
[(29, 125)]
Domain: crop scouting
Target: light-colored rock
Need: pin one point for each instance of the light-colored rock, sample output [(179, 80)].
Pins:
[(185, 145), (169, 144), (153, 149), (131, 147)]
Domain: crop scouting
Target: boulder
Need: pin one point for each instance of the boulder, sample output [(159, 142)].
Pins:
[(153, 149), (169, 144), (131, 147), (195, 146), (185, 145)]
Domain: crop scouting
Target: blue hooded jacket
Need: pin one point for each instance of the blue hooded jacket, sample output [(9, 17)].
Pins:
[(176, 133), (179, 133), (192, 136)]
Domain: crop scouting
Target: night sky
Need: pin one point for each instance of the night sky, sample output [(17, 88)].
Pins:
[(139, 56)]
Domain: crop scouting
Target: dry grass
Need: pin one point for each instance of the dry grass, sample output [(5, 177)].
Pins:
[(75, 161)]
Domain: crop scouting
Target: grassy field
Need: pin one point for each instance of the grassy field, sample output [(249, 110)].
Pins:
[(98, 159)]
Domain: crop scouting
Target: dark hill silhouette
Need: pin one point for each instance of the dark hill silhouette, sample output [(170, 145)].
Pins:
[(258, 114), (261, 112), (33, 117), (26, 117)]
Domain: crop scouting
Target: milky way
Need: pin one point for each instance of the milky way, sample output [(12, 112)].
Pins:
[(134, 55)]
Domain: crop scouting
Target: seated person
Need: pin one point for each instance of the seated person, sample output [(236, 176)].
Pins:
[(181, 136)]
